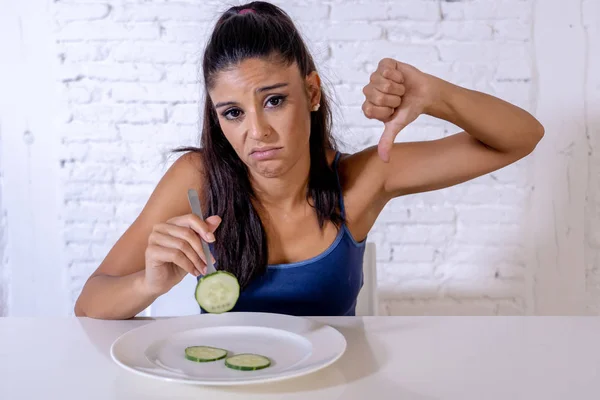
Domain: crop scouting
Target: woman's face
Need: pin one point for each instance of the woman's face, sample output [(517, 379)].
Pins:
[(264, 111)]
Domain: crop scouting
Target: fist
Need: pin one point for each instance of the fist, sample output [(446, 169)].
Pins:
[(395, 95)]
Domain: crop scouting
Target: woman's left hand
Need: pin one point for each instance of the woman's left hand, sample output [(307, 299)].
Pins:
[(396, 95)]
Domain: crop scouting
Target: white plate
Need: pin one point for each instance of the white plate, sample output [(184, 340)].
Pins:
[(296, 346)]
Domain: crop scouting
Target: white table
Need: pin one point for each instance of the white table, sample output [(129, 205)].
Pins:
[(408, 358)]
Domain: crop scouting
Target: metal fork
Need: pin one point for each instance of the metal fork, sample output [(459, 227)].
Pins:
[(197, 210)]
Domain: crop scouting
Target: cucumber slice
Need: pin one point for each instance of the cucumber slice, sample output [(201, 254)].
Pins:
[(204, 353), (247, 362), (217, 292)]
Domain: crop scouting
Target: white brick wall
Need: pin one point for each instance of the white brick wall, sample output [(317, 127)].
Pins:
[(128, 77)]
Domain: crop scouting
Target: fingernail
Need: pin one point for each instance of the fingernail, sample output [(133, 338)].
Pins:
[(210, 237)]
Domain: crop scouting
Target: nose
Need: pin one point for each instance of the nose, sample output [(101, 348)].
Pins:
[(258, 128)]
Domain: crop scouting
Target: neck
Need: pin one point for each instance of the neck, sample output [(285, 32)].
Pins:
[(284, 192)]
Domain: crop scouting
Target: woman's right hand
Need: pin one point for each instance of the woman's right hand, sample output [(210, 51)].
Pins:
[(174, 250)]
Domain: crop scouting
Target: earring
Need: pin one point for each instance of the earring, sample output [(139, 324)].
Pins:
[(316, 107)]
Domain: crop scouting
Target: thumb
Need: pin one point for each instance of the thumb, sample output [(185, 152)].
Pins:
[(387, 141), (213, 222), (398, 121)]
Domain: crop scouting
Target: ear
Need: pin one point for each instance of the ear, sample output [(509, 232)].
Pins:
[(313, 89)]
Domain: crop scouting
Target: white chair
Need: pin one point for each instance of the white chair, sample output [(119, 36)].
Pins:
[(368, 301)]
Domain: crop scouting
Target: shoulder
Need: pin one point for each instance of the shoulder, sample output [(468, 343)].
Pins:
[(364, 165), (187, 171), (362, 176), (189, 167), (169, 198), (361, 180)]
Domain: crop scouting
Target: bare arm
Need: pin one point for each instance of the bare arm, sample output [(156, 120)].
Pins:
[(114, 297), (496, 133), (121, 287)]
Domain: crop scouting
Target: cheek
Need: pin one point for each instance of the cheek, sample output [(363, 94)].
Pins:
[(303, 126), (297, 125)]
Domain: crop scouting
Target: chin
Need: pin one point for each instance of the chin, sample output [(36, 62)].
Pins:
[(269, 168)]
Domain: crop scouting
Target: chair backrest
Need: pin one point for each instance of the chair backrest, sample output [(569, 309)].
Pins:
[(368, 300)]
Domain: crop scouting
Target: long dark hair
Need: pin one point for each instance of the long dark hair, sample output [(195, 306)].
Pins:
[(265, 32)]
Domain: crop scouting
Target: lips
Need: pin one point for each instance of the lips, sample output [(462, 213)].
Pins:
[(263, 149), (264, 153)]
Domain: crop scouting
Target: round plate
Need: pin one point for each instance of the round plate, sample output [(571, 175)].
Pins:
[(296, 346)]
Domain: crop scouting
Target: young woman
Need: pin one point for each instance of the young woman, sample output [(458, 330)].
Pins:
[(286, 213)]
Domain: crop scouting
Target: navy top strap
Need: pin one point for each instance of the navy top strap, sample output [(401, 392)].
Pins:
[(337, 176)]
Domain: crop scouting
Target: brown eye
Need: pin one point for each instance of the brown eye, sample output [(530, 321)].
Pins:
[(276, 101), (232, 114)]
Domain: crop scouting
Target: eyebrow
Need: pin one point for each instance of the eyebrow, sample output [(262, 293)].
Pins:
[(259, 90)]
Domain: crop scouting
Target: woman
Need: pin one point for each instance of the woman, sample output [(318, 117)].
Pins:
[(285, 211)]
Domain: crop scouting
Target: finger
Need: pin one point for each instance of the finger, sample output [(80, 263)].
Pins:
[(387, 85), (213, 222), (392, 74), (175, 256), (204, 229), (183, 239), (179, 258), (187, 234), (386, 63), (381, 99), (372, 111), (181, 244)]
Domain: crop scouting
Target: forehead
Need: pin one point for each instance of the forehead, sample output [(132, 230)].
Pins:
[(253, 73)]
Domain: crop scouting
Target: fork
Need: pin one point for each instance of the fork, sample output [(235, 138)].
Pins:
[(197, 210)]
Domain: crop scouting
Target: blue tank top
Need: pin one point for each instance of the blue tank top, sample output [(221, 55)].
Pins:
[(325, 285)]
